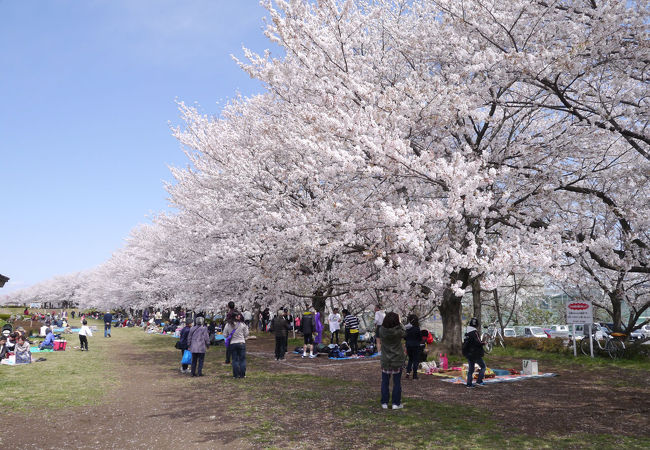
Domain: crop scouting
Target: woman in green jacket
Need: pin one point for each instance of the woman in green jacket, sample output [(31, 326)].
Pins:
[(391, 334)]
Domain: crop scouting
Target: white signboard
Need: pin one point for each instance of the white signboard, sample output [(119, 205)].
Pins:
[(579, 312)]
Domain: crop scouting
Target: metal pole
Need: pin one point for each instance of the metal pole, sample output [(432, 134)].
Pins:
[(575, 351), (591, 340)]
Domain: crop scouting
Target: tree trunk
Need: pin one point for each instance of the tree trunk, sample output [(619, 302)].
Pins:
[(450, 313), (257, 308), (497, 308), (617, 299), (476, 301), (318, 302)]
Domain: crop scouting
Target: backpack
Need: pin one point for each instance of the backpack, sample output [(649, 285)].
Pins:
[(466, 346)]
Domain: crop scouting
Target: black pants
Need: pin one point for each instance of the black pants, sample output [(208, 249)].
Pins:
[(280, 347), (183, 366), (347, 335), (83, 342), (354, 337), (197, 358), (470, 370), (335, 333), (414, 360)]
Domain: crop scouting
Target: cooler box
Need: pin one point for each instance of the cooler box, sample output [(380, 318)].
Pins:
[(59, 345), (529, 367)]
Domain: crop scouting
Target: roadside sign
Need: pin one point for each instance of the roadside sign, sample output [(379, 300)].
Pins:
[(579, 312)]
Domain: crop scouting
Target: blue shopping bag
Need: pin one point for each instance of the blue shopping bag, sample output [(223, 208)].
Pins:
[(187, 357)]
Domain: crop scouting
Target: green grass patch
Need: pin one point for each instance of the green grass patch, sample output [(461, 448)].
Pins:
[(68, 378), (570, 361)]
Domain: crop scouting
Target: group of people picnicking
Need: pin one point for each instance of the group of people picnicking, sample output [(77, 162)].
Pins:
[(400, 346)]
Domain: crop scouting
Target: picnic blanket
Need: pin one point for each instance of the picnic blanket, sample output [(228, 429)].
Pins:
[(502, 378), (61, 330), (374, 355), (38, 350)]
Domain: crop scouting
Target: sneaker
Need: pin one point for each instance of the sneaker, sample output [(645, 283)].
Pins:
[(312, 356), (384, 405), (304, 356), (400, 406), (481, 384)]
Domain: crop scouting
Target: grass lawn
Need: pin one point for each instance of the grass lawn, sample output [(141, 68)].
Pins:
[(68, 378)]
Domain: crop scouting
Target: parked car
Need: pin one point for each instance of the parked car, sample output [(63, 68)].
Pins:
[(582, 330), (537, 332), (641, 333), (561, 331), (509, 332)]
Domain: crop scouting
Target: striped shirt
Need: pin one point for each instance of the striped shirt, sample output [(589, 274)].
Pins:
[(351, 322)]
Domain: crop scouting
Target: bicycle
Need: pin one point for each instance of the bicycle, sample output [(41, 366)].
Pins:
[(612, 344), (491, 337)]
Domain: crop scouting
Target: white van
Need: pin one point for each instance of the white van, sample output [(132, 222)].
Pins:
[(537, 332)]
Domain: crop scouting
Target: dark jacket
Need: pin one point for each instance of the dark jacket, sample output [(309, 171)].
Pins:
[(307, 323), (280, 326), (392, 350), (472, 345), (413, 336), (198, 339), (108, 318), (183, 341)]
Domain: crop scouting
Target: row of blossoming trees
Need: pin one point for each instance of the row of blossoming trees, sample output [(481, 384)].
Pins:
[(406, 152)]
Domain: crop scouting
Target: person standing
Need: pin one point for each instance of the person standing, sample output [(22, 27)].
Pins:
[(248, 316), (84, 332), (413, 341), (351, 330), (473, 351), (145, 317), (230, 318), (266, 315), (379, 318), (318, 331), (334, 320), (198, 341), (280, 326), (237, 345), (307, 324), (392, 359), (158, 318), (108, 321), (183, 343)]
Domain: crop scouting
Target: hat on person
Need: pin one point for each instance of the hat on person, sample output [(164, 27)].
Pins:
[(473, 322)]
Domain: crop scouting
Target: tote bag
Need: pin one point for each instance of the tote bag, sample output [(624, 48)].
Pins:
[(187, 357)]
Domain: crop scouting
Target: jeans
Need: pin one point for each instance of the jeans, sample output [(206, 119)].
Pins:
[(414, 360), (107, 329), (470, 370), (228, 354), (238, 352), (280, 348), (397, 388), (197, 358)]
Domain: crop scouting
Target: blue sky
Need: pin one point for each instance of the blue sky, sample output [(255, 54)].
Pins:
[(88, 91)]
